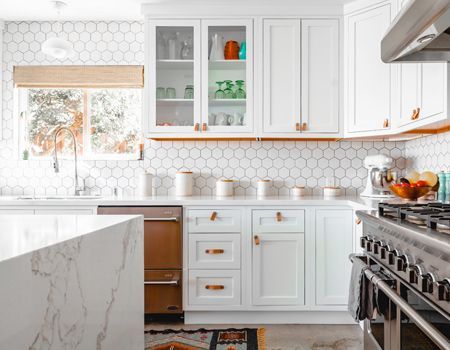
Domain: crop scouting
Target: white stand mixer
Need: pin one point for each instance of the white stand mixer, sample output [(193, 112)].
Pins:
[(379, 176)]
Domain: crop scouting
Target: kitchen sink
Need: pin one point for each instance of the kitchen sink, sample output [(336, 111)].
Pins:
[(52, 197)]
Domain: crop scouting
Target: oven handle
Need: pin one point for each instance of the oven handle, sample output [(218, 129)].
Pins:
[(173, 219), (426, 327), (165, 283)]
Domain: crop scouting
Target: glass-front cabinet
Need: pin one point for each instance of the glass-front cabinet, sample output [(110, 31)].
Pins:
[(199, 77), (173, 77), (227, 75)]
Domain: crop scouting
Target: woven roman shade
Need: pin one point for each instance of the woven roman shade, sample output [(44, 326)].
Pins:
[(78, 76)]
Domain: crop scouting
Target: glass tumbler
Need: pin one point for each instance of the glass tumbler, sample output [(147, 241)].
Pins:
[(171, 93), (189, 92), (160, 93)]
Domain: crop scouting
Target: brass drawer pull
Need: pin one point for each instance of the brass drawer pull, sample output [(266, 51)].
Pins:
[(297, 127), (279, 217), (214, 287), (304, 126), (416, 113), (214, 251), (213, 216), (204, 127), (196, 127), (357, 221), (386, 123), (257, 241)]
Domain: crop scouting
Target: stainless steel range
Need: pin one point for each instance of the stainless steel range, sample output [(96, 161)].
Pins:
[(408, 244)]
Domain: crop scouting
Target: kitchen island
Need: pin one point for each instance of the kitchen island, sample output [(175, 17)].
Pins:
[(71, 282)]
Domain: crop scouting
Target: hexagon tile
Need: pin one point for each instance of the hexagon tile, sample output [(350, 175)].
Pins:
[(286, 162)]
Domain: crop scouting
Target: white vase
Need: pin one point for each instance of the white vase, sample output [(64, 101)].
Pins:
[(216, 53)]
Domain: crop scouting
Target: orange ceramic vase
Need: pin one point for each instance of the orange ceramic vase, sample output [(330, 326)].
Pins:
[(231, 51)]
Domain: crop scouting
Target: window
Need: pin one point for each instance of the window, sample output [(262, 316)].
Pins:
[(105, 122)]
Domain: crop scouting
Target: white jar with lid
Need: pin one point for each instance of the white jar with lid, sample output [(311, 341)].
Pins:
[(264, 188), (225, 187), (184, 183), (298, 191), (145, 185)]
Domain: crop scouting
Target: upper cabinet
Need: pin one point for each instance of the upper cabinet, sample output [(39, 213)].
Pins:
[(300, 77), (370, 82)]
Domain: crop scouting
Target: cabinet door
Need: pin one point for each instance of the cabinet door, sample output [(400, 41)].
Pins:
[(281, 74), (334, 243), (278, 269), (371, 82), (173, 76), (434, 90), (320, 76), (227, 75), (410, 76)]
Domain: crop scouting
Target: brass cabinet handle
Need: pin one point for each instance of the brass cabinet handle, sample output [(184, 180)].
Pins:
[(304, 126), (214, 286), (415, 114), (279, 217), (386, 123), (196, 127), (213, 216), (357, 221), (297, 127), (257, 241), (204, 127), (214, 251)]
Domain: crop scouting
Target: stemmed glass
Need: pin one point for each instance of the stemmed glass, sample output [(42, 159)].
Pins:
[(220, 94), (229, 90), (240, 92)]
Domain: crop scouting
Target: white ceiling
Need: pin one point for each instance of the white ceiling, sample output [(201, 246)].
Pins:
[(26, 10)]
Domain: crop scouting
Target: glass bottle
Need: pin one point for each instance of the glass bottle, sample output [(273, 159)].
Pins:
[(161, 46), (173, 46), (186, 52)]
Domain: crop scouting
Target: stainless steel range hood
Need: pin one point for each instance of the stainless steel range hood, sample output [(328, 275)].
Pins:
[(420, 33)]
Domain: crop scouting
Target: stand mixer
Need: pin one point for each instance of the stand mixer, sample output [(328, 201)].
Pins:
[(379, 176)]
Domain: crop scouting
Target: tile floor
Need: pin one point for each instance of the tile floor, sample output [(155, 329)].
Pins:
[(296, 337)]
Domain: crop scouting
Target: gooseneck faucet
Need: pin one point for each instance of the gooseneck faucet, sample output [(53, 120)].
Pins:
[(78, 189)]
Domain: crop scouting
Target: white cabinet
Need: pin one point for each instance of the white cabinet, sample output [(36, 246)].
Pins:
[(16, 212), (69, 211), (213, 220), (278, 269), (334, 243), (320, 76), (371, 83), (434, 95), (281, 76), (301, 76)]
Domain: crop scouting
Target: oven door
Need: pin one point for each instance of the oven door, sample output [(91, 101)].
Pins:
[(421, 333)]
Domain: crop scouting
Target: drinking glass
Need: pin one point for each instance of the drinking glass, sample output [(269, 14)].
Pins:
[(160, 93), (189, 92), (171, 93), (219, 92), (240, 92), (229, 94)]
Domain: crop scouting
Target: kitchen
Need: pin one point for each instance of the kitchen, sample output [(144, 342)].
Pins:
[(251, 134)]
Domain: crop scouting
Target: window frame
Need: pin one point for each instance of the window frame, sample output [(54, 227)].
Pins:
[(21, 95)]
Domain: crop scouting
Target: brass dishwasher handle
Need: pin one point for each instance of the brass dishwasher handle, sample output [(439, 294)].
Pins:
[(171, 219), (257, 241), (214, 251), (213, 216), (161, 283), (214, 287)]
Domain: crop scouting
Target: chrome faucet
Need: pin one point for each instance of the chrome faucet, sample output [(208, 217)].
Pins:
[(78, 189)]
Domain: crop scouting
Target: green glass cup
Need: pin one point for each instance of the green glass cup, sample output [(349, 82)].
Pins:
[(219, 94), (240, 92)]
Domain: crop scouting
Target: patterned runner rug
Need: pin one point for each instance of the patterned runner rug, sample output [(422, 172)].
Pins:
[(209, 339)]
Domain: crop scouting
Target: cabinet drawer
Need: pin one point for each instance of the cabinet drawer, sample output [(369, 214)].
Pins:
[(217, 287), (214, 220), (211, 251), (283, 220)]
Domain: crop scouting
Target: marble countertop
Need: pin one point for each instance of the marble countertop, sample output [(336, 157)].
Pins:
[(23, 234), (356, 202)]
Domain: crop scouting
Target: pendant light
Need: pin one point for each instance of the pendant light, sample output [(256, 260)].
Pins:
[(57, 47)]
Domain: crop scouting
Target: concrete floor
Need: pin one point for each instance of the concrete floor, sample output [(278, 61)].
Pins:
[(295, 337)]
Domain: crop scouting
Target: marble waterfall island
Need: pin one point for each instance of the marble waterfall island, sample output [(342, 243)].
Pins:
[(71, 282)]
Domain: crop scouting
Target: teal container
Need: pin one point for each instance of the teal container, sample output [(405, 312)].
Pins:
[(447, 186), (243, 51), (442, 183)]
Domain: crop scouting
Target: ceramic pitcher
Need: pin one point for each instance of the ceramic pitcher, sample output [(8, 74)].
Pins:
[(216, 48)]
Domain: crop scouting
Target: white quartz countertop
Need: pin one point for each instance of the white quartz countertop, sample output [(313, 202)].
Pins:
[(22, 234), (356, 202)]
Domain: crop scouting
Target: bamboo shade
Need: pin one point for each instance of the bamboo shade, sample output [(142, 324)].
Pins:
[(79, 76)]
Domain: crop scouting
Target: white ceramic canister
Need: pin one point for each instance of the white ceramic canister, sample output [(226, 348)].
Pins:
[(184, 182), (331, 192), (225, 187), (145, 184), (298, 191), (263, 188)]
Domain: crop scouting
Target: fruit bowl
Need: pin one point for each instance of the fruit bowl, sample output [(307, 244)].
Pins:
[(411, 193)]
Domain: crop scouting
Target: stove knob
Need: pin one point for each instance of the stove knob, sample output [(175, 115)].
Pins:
[(391, 254), (376, 247), (411, 271), (362, 242), (369, 243), (425, 283), (400, 263), (443, 290), (383, 251)]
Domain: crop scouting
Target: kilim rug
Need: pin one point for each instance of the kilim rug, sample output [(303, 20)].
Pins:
[(209, 339)]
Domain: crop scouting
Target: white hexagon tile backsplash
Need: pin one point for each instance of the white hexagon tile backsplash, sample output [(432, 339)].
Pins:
[(286, 162)]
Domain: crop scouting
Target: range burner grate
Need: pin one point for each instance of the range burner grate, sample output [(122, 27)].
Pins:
[(431, 214)]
